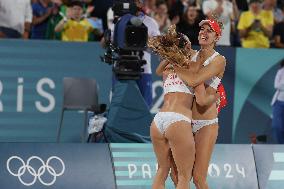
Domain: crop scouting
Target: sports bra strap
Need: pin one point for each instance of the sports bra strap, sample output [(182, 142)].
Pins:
[(210, 59)]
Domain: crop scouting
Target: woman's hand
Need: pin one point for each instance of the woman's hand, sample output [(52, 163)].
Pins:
[(188, 45), (169, 67), (218, 98)]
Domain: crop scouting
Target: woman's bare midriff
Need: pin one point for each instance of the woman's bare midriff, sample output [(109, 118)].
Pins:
[(178, 102), (205, 112)]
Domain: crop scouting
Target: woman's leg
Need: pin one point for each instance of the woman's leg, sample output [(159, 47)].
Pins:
[(181, 142), (205, 140), (162, 151), (174, 172)]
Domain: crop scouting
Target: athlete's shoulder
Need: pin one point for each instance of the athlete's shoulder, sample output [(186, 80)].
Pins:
[(220, 58)]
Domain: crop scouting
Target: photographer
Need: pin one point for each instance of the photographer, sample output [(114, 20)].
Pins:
[(255, 26), (145, 81)]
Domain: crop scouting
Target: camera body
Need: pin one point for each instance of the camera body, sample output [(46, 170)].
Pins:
[(130, 38)]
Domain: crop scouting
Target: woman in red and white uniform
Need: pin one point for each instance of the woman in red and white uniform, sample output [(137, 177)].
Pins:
[(205, 121)]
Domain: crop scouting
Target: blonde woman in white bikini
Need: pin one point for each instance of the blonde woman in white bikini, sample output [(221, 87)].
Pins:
[(171, 129)]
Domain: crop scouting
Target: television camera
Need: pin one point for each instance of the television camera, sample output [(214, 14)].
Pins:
[(125, 51)]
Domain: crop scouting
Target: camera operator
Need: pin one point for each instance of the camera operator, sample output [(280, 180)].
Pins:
[(118, 35)]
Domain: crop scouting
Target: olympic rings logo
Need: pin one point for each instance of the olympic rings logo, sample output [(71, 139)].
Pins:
[(37, 174)]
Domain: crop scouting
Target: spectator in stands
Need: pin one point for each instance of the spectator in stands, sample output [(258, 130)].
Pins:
[(255, 26), (280, 3), (161, 16), (42, 10), (75, 27), (189, 24), (227, 12), (242, 5), (278, 32), (15, 18), (198, 3), (170, 3), (150, 7), (271, 5), (54, 19), (278, 106), (177, 10), (100, 10)]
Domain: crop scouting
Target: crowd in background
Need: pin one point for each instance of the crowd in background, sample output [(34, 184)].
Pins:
[(246, 23)]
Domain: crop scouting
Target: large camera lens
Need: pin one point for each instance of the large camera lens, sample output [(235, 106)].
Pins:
[(136, 37)]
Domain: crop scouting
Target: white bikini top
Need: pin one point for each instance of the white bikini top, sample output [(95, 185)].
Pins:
[(214, 81), (174, 84)]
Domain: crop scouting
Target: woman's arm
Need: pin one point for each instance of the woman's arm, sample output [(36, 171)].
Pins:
[(193, 79), (203, 98), (161, 67)]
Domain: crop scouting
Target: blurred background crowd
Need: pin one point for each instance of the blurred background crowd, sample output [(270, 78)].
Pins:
[(246, 23)]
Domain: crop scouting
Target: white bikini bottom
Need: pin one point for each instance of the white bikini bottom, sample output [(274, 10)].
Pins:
[(198, 124), (164, 119)]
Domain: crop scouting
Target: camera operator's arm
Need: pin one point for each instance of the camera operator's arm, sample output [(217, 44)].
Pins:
[(107, 38), (161, 67), (103, 42)]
